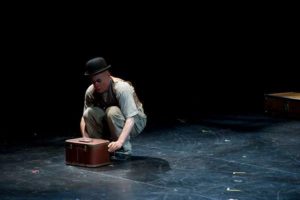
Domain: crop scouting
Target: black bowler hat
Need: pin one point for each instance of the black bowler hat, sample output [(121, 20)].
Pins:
[(95, 66)]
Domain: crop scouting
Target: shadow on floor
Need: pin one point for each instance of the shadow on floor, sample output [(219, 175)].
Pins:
[(137, 168)]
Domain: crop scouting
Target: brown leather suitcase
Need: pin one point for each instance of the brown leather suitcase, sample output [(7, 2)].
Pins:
[(287, 103), (92, 153)]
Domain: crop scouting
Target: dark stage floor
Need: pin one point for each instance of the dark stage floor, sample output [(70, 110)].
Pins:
[(222, 157)]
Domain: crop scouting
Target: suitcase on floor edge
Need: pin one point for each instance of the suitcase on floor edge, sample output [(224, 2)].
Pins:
[(284, 103), (92, 153)]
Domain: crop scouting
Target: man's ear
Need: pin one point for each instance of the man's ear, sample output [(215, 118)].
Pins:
[(107, 73)]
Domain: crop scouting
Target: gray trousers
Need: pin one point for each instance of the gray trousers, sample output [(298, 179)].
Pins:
[(95, 118)]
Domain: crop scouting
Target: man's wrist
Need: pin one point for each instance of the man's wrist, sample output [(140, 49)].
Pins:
[(121, 141), (84, 134)]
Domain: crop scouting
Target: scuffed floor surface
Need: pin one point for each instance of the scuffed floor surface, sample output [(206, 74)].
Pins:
[(222, 157)]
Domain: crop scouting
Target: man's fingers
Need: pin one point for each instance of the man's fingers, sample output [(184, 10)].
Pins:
[(111, 147)]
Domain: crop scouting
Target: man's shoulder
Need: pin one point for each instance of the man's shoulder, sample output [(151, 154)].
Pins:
[(90, 90), (120, 83), (121, 86)]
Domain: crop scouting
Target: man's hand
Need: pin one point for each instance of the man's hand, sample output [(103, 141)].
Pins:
[(114, 146)]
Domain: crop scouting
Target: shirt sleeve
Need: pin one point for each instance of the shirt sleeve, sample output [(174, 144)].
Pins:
[(124, 94), (88, 98)]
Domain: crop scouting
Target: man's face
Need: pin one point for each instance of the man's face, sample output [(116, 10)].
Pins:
[(101, 81)]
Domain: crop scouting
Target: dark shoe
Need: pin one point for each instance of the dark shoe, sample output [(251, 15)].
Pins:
[(120, 155)]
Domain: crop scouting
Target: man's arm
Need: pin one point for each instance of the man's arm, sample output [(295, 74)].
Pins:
[(82, 128), (113, 146)]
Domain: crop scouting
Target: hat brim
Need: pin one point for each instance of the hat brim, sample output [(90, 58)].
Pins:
[(97, 71)]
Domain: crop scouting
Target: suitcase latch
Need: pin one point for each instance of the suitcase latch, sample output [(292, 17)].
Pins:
[(286, 107)]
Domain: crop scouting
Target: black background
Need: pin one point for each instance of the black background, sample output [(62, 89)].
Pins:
[(184, 62)]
